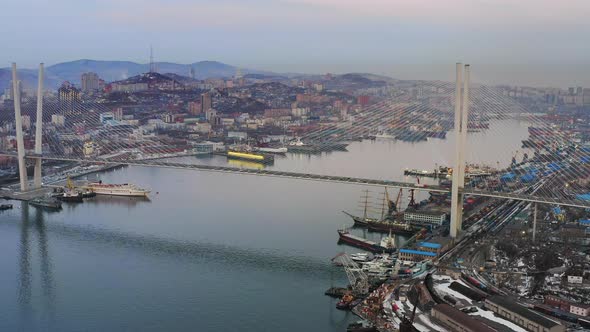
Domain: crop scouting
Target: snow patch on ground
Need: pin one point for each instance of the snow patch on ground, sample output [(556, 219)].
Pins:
[(443, 289), (490, 315)]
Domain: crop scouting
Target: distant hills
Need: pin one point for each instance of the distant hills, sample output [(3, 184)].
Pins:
[(117, 70)]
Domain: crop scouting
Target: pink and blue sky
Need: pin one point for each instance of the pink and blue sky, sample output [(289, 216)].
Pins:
[(539, 41)]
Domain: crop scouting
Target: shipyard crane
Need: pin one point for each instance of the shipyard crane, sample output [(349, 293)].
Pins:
[(412, 203), (398, 200), (358, 280)]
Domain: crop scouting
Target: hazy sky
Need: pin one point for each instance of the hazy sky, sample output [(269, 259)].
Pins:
[(542, 41)]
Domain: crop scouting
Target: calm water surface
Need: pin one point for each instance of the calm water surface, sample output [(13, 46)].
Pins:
[(208, 251)]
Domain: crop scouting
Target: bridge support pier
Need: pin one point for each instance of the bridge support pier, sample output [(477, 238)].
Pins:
[(461, 113), (20, 145), (534, 222), (39, 130)]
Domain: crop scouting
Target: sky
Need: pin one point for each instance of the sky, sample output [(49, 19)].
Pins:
[(536, 42)]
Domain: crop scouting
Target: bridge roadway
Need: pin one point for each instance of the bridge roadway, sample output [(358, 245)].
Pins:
[(317, 177)]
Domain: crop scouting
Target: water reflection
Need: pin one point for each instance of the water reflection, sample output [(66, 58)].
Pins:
[(36, 224), (115, 200), (24, 281)]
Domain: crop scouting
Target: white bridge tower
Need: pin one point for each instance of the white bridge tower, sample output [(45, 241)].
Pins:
[(461, 113)]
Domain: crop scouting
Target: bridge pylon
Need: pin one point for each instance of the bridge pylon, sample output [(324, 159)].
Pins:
[(39, 130), (20, 145), (461, 115)]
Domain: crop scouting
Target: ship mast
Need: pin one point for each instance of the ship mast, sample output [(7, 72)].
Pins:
[(385, 196), (366, 197)]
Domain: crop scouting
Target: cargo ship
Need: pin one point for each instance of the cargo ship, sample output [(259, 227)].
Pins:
[(258, 157), (356, 241), (125, 189)]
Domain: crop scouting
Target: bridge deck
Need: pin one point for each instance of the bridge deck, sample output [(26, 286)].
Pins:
[(318, 177)]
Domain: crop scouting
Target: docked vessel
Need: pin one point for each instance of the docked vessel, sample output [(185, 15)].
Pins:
[(125, 189), (384, 135), (5, 207), (251, 156), (281, 150), (386, 223), (300, 146), (388, 242), (46, 203), (71, 195), (393, 227), (356, 241)]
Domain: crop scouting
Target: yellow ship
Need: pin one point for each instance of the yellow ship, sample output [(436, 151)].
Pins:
[(261, 158)]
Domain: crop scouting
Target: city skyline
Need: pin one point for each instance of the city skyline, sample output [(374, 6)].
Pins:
[(511, 43)]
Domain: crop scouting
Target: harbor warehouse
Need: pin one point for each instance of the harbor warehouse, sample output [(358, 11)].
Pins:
[(458, 321), (522, 316), (415, 255)]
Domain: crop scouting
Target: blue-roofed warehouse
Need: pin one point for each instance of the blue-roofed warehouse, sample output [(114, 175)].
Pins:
[(415, 255), (430, 247), (529, 177), (507, 177)]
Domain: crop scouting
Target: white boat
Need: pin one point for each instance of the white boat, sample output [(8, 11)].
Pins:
[(125, 189), (383, 135), (388, 241), (273, 150), (360, 257)]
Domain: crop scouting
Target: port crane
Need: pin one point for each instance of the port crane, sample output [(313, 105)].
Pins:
[(358, 280)]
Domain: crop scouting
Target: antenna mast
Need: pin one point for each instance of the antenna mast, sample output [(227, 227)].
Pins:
[(152, 63)]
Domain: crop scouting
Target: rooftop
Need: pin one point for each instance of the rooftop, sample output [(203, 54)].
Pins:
[(462, 318), (417, 252), (426, 212), (430, 245), (522, 311)]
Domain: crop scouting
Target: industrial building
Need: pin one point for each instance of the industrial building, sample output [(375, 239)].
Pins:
[(415, 255), (425, 217), (516, 313), (458, 321)]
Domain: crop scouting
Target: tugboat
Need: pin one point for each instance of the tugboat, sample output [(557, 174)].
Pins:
[(5, 207), (345, 302), (361, 326), (88, 194), (70, 194)]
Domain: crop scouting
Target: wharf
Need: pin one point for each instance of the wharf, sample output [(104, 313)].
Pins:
[(424, 173), (14, 194)]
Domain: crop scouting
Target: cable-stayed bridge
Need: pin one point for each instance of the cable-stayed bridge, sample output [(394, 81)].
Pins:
[(73, 130)]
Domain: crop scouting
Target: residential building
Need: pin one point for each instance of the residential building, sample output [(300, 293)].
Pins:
[(26, 122), (58, 119), (206, 102), (68, 97), (557, 302), (90, 82), (194, 107), (580, 309)]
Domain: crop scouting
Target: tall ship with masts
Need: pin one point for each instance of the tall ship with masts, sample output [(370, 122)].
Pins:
[(389, 217)]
